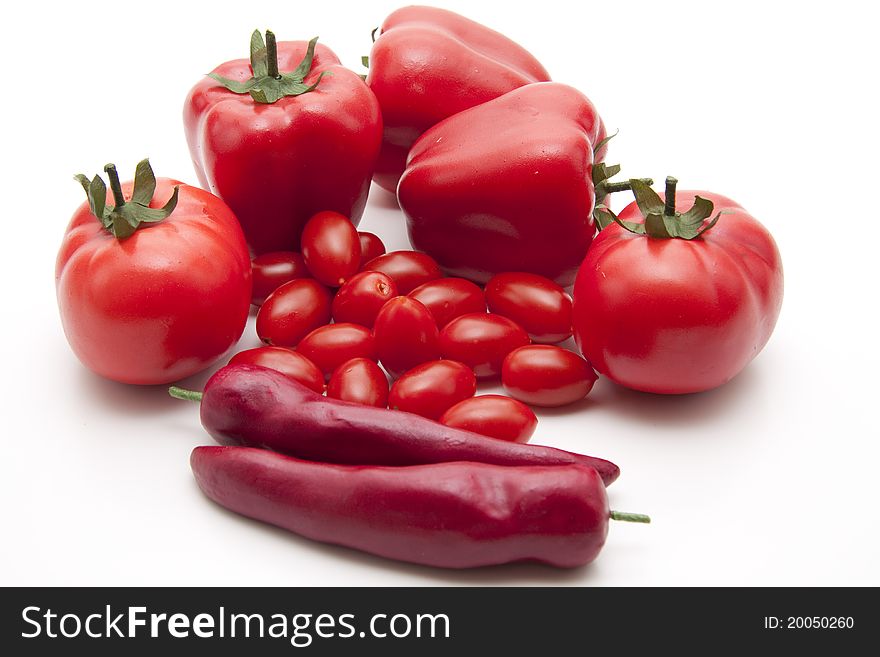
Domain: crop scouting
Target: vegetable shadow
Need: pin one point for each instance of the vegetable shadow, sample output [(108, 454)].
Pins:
[(741, 395), (135, 400)]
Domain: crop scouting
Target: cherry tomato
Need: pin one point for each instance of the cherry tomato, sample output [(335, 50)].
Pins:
[(495, 416), (431, 388), (292, 311), (371, 246), (481, 341), (534, 302), (544, 375), (331, 248), (331, 345), (272, 270), (409, 269), (406, 335), (362, 296), (448, 298), (360, 381), (284, 360)]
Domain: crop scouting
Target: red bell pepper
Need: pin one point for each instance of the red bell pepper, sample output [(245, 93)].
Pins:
[(428, 64), (508, 185), (283, 136)]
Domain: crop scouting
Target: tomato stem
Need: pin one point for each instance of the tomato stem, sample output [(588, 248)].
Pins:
[(630, 517), (272, 55), (669, 209), (115, 186), (183, 393)]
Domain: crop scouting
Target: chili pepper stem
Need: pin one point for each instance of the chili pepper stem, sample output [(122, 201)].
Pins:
[(272, 55), (623, 186), (630, 517), (183, 393), (669, 209), (115, 186)]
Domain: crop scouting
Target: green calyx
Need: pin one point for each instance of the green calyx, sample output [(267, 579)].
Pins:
[(365, 60), (662, 220), (126, 216), (602, 185), (602, 173), (268, 84)]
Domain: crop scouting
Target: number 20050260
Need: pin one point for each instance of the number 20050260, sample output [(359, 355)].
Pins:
[(809, 622)]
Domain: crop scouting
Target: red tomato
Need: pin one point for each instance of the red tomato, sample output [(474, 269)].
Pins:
[(371, 246), (163, 303), (448, 298), (331, 248), (431, 388), (362, 296), (534, 302), (360, 381), (673, 315), (409, 269), (272, 270), (406, 335), (495, 416), (481, 341), (544, 375), (284, 360), (293, 311), (330, 346)]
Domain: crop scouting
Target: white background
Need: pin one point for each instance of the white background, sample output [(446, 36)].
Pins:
[(771, 480)]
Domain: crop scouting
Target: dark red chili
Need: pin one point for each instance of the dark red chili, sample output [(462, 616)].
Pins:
[(254, 406), (450, 515)]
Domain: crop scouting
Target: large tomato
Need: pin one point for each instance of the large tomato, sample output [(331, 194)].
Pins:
[(677, 314), (163, 300)]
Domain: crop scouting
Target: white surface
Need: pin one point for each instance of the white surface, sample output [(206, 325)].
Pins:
[(771, 480)]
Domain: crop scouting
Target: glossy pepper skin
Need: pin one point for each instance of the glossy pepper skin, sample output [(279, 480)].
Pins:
[(277, 164), (676, 316), (257, 407), (507, 186), (428, 64), (448, 515)]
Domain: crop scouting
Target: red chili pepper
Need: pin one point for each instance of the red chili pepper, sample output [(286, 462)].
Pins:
[(451, 515), (254, 406), (507, 185), (282, 137), (428, 64)]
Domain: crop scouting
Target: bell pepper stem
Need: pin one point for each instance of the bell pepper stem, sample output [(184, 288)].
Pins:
[(623, 186), (115, 186), (630, 517), (272, 54), (183, 393), (669, 209)]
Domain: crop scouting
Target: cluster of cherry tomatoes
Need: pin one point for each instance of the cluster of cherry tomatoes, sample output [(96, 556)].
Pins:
[(333, 313)]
